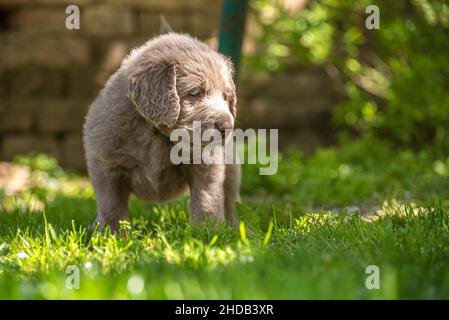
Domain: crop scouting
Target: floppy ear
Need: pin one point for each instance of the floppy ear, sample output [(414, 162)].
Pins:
[(231, 94), (231, 98), (233, 104), (152, 88)]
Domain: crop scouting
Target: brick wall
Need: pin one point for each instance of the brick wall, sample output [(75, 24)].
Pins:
[(49, 74)]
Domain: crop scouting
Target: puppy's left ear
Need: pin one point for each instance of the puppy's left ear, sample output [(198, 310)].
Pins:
[(233, 103), (231, 94), (152, 88)]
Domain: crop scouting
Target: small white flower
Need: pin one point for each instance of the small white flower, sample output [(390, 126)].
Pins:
[(22, 255), (88, 265)]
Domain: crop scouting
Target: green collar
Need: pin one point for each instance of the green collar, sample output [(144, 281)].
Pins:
[(152, 126)]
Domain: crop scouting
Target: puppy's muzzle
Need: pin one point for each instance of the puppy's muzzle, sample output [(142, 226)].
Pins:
[(223, 125)]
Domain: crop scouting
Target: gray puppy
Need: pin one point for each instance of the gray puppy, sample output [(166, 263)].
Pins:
[(166, 84)]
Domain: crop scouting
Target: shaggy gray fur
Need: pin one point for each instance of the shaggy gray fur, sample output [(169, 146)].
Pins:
[(157, 83)]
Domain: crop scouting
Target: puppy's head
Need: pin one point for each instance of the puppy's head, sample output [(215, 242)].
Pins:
[(175, 80)]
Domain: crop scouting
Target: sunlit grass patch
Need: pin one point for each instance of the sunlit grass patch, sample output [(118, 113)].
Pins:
[(282, 249)]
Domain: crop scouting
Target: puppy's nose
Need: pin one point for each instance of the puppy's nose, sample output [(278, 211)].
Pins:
[(222, 126)]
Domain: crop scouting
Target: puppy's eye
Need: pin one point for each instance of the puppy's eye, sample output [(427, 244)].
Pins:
[(194, 93)]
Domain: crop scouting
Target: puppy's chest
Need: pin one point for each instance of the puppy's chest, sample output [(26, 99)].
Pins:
[(155, 178)]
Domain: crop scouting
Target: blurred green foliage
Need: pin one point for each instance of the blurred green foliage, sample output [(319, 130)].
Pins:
[(396, 78), (358, 172), (41, 162)]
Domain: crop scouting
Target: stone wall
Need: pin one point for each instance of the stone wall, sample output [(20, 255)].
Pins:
[(49, 74)]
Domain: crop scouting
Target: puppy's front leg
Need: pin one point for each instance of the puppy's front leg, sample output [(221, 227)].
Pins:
[(206, 190), (112, 195), (231, 191)]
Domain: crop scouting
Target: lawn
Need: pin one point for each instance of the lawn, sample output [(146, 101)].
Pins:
[(308, 232)]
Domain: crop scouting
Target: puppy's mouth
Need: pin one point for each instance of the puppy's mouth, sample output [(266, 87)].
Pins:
[(204, 135)]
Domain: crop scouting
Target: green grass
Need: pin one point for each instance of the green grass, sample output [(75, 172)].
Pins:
[(289, 245)]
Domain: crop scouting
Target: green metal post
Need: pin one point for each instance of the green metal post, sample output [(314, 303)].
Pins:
[(232, 29)]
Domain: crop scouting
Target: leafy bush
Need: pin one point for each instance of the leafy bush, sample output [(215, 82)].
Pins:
[(364, 171), (396, 78)]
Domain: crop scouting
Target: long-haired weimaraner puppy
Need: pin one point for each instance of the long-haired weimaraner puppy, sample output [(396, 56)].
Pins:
[(166, 84)]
